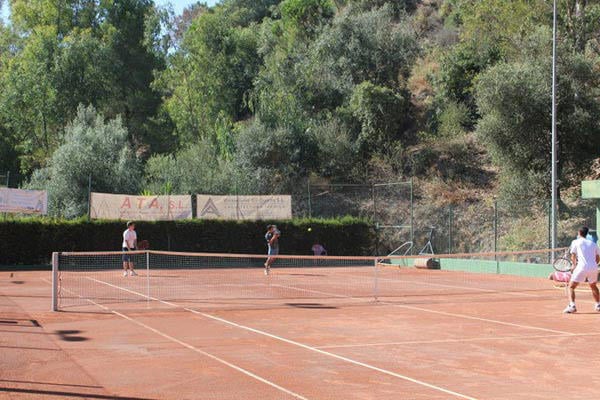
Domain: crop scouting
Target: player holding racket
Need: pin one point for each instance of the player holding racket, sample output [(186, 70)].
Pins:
[(129, 244), (272, 238), (585, 254)]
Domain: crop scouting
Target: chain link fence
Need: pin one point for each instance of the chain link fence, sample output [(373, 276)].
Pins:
[(5, 179), (407, 222)]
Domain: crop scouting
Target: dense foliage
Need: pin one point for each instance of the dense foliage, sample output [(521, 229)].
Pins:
[(257, 96)]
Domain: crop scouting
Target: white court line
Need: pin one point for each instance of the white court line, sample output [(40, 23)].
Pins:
[(314, 291), (132, 292), (450, 314), (307, 347), (458, 287), (467, 340), (464, 316), (187, 345)]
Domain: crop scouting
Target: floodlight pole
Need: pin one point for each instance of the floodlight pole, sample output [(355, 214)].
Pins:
[(553, 211)]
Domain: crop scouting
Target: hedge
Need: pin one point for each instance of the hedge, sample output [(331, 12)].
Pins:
[(31, 241)]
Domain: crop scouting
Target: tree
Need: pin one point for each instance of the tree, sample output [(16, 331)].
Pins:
[(305, 17), (137, 63), (62, 15), (276, 159), (581, 18), (370, 46), (399, 6), (383, 116), (44, 83), (92, 147), (194, 169), (459, 68), (28, 100), (211, 73), (514, 101)]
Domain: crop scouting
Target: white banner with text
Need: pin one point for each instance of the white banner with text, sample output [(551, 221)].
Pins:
[(140, 208), (244, 207), (23, 201)]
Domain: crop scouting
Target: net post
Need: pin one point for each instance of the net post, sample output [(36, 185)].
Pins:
[(54, 281)]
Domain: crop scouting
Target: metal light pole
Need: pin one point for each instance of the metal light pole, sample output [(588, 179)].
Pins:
[(553, 215)]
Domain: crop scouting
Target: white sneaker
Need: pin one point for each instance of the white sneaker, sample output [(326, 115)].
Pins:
[(267, 270), (597, 307), (124, 273), (570, 309), (132, 273)]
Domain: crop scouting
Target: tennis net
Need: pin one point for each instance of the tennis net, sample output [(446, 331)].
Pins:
[(176, 279)]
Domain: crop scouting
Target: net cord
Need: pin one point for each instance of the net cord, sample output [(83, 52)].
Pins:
[(308, 257)]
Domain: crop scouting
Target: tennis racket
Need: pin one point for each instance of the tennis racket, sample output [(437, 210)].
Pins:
[(143, 245), (563, 263)]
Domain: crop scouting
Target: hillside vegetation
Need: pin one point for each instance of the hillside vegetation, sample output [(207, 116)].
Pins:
[(258, 96)]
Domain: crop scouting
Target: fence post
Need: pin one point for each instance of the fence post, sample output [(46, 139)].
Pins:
[(375, 219), (496, 236), (89, 213), (412, 228), (450, 230), (549, 225), (7, 179), (237, 201), (309, 199)]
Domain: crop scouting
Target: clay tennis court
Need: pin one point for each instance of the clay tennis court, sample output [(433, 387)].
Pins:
[(315, 332)]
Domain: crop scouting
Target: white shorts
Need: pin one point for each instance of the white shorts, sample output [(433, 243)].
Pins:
[(580, 275)]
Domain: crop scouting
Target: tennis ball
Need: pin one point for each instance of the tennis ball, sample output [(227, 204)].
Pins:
[(309, 229)]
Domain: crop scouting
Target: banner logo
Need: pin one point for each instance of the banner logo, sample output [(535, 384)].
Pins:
[(209, 208)]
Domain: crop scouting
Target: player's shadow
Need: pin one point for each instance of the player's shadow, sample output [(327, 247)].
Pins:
[(587, 313), (311, 305), (65, 394), (70, 336)]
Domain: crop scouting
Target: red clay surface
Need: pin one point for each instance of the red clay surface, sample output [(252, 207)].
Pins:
[(294, 335)]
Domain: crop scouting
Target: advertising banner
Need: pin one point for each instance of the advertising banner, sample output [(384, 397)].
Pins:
[(140, 208), (244, 207), (23, 201)]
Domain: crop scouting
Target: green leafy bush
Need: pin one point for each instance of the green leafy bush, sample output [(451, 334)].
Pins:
[(91, 147)]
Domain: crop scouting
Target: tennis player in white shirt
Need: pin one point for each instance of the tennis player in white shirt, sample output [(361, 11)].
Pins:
[(585, 254), (129, 244)]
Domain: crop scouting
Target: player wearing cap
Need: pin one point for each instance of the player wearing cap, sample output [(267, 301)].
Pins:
[(585, 254), (129, 244)]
